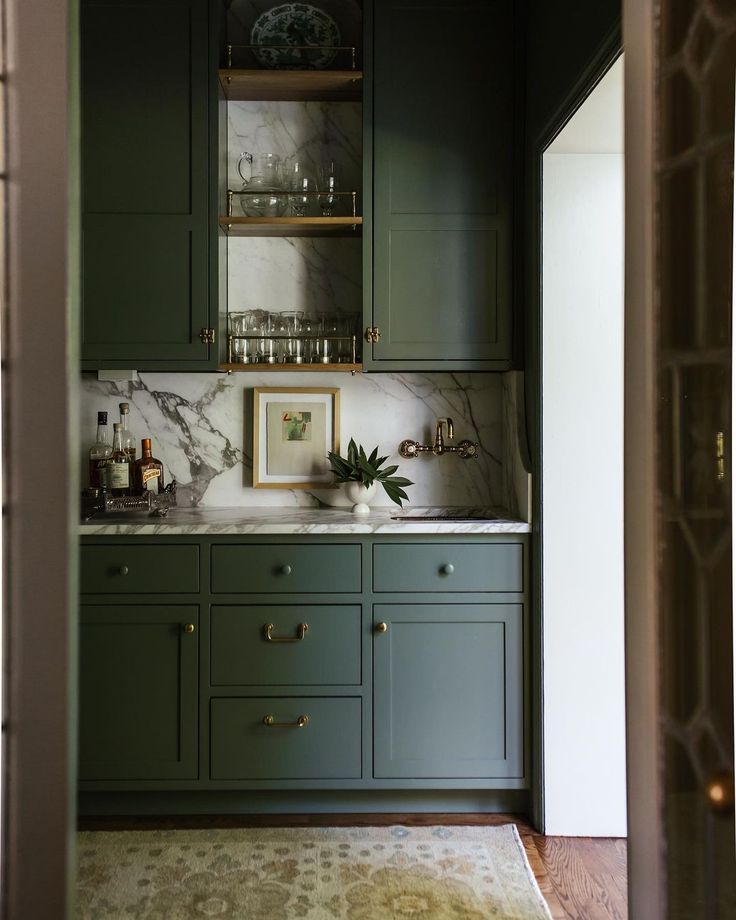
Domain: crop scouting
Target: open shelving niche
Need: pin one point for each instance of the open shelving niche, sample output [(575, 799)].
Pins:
[(251, 85)]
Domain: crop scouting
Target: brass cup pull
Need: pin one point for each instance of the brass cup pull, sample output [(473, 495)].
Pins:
[(381, 627), (123, 570), (301, 632), (270, 722), (189, 628), (447, 569)]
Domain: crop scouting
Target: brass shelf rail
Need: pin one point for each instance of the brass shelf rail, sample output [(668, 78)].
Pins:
[(351, 49), (281, 193), (310, 337)]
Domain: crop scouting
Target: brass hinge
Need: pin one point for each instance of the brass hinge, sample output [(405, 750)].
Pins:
[(372, 334), (207, 336)]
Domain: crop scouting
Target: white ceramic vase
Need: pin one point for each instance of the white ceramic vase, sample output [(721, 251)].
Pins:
[(360, 496)]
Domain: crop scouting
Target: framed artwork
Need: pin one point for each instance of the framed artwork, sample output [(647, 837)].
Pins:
[(294, 428)]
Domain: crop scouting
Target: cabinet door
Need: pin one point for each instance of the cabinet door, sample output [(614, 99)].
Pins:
[(442, 147), (145, 183), (448, 691), (138, 692)]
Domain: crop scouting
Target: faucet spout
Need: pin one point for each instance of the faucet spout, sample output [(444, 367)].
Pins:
[(439, 442)]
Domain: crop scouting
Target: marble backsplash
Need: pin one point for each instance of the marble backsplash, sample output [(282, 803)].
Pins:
[(201, 430)]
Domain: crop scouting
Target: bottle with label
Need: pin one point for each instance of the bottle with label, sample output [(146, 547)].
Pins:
[(128, 439), (100, 452), (148, 472), (117, 470)]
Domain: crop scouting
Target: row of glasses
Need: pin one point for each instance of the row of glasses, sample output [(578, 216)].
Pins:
[(291, 337)]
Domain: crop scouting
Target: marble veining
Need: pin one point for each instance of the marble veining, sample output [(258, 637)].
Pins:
[(295, 521), (201, 426)]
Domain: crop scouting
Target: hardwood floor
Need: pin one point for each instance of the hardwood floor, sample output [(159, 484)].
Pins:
[(581, 878)]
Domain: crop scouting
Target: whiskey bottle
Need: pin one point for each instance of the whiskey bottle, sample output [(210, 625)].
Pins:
[(128, 439), (148, 472), (100, 452), (117, 470)]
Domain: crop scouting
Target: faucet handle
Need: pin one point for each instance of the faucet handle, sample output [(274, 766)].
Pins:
[(450, 427)]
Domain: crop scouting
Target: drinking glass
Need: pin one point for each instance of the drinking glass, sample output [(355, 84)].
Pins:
[(236, 328), (270, 350), (300, 182), (346, 325), (294, 350), (310, 328), (328, 353), (329, 201), (253, 328)]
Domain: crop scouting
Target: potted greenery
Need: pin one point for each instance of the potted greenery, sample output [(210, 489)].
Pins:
[(360, 473)]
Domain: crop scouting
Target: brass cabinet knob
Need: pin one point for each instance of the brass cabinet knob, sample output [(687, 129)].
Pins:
[(719, 792), (189, 628), (381, 627), (123, 570), (447, 569), (285, 570)]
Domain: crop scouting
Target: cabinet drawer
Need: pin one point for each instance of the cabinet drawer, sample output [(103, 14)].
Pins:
[(328, 746), (286, 568), (141, 569), (326, 652), (448, 567)]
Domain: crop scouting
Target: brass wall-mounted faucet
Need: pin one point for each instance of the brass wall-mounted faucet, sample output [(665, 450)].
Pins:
[(467, 450)]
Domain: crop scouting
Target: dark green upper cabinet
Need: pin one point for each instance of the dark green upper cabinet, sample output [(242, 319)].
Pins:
[(147, 82), (439, 131)]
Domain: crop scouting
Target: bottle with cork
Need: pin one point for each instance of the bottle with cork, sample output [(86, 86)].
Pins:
[(116, 473), (128, 439), (99, 453), (148, 472)]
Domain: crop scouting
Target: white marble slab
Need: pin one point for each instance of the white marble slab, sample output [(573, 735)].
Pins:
[(201, 430), (255, 521)]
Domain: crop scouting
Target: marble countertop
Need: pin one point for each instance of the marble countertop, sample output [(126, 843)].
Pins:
[(279, 520)]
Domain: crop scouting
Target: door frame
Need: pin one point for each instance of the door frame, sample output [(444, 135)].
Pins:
[(40, 380), (608, 51)]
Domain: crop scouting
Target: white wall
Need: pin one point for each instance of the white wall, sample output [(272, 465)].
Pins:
[(583, 588)]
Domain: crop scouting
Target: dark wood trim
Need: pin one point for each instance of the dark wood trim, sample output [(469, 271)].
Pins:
[(40, 380), (646, 832)]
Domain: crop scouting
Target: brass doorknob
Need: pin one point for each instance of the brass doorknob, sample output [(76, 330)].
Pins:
[(189, 628), (381, 627)]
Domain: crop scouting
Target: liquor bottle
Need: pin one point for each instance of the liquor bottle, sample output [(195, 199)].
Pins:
[(148, 472), (100, 452), (117, 470), (128, 439)]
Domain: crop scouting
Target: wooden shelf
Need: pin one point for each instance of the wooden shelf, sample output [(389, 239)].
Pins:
[(278, 368), (292, 85), (292, 226)]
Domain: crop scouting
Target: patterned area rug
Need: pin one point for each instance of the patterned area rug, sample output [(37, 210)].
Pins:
[(388, 873)]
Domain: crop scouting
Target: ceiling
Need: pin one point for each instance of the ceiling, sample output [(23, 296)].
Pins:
[(598, 125)]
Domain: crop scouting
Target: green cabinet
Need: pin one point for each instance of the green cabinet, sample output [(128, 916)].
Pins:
[(147, 240), (448, 691), (138, 692), (439, 130)]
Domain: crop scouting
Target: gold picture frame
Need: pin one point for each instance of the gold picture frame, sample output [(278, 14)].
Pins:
[(294, 428)]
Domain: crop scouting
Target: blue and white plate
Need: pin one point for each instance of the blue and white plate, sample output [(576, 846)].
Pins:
[(295, 24)]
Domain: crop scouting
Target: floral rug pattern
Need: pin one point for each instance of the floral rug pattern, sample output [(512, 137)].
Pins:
[(391, 873)]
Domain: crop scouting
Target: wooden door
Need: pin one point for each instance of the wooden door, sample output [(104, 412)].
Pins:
[(442, 137), (448, 691), (138, 692), (145, 186)]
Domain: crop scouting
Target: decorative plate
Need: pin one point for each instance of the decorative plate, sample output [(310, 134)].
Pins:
[(295, 24)]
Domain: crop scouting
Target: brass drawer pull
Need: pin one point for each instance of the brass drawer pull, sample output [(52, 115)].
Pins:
[(447, 569), (189, 628), (381, 627), (123, 570), (301, 632), (269, 722)]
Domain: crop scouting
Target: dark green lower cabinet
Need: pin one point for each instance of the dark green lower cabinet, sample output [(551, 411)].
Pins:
[(448, 692), (138, 692)]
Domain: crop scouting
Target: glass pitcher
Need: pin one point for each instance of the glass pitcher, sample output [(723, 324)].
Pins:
[(264, 179)]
